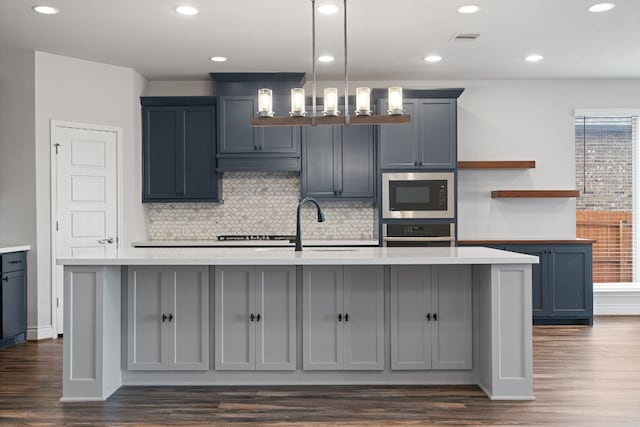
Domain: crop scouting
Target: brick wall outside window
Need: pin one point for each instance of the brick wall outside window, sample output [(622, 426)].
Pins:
[(604, 176)]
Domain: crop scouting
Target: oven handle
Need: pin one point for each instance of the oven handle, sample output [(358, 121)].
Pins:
[(418, 239)]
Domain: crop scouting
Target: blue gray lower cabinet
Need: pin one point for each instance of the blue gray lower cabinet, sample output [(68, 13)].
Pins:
[(562, 283), (13, 297)]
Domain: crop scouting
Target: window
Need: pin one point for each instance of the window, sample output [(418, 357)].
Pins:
[(605, 162)]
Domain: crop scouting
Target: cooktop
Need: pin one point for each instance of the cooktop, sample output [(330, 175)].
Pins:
[(255, 237)]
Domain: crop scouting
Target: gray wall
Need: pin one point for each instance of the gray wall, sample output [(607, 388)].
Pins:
[(17, 160)]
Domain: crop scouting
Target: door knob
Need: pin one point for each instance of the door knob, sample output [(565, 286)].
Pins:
[(109, 240)]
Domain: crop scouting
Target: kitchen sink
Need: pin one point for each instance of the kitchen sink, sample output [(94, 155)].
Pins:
[(307, 249)]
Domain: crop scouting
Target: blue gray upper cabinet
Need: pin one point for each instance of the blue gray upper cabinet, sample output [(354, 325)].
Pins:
[(338, 162), (430, 141), (242, 147), (179, 140)]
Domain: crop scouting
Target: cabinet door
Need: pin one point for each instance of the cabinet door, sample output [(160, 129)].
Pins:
[(399, 143), (570, 281), (236, 134), (356, 165), (162, 128), (281, 139), (322, 331), (147, 343), (199, 169), (14, 303), (235, 331), (539, 274), (363, 318), (410, 330), (189, 324), (451, 332), (437, 137), (319, 154), (276, 326)]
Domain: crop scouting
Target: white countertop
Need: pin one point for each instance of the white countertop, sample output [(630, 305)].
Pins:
[(248, 243), (5, 249), (309, 256)]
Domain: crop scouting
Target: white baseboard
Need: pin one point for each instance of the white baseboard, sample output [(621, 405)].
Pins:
[(616, 299), (40, 332)]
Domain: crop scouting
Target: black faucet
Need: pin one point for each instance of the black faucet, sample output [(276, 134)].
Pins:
[(320, 219)]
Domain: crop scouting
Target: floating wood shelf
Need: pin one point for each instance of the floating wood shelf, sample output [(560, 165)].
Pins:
[(498, 164), (534, 193), (329, 120)]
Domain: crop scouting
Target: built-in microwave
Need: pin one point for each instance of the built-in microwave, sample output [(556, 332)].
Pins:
[(417, 195)]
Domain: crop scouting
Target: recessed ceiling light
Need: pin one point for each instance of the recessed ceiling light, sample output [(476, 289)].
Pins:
[(472, 8), (187, 10), (601, 7), (433, 58), (328, 9), (46, 10), (534, 58), (218, 59), (326, 58)]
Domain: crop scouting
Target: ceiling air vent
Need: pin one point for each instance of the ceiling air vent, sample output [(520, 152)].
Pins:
[(464, 37)]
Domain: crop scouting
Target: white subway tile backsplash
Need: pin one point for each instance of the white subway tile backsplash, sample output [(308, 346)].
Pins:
[(260, 203)]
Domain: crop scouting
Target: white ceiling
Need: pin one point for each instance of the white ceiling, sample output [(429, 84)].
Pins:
[(387, 40)]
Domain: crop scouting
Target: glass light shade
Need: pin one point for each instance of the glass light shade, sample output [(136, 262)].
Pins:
[(330, 101), (265, 103), (363, 101), (395, 101), (297, 102)]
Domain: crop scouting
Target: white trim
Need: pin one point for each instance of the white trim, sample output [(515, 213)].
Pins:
[(40, 333), (607, 112), (616, 299), (54, 194)]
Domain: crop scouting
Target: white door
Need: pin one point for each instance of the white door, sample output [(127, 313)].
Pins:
[(85, 196)]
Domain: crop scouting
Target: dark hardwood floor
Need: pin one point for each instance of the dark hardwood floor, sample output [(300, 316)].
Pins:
[(582, 376)]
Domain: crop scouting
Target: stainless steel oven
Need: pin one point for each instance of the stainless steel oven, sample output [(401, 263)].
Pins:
[(412, 235), (419, 195)]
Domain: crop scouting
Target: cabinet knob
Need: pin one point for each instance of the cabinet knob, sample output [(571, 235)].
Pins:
[(6, 279), (346, 317), (339, 317), (170, 317), (428, 317), (164, 317), (258, 317), (435, 317), (252, 317)]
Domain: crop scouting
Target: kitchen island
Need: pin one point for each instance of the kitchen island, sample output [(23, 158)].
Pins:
[(273, 316)]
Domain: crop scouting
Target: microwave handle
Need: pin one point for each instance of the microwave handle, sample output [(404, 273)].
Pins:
[(418, 239)]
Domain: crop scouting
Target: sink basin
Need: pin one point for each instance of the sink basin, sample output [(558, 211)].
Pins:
[(330, 249)]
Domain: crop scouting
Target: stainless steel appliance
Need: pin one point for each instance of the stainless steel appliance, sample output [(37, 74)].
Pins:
[(417, 195), (412, 235)]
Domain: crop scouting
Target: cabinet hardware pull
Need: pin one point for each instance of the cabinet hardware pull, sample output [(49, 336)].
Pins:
[(15, 262), (6, 279), (252, 317), (258, 317), (339, 317), (346, 317), (164, 317), (435, 317), (170, 317), (428, 317)]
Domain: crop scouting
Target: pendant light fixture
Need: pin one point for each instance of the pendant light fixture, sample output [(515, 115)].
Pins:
[(330, 114)]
